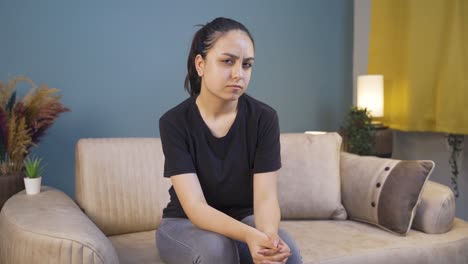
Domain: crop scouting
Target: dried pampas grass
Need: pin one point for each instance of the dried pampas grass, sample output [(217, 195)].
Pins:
[(23, 123)]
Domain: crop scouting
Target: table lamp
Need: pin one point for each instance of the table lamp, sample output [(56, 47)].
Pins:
[(370, 95)]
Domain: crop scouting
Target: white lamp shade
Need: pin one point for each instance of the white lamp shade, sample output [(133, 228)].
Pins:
[(370, 94)]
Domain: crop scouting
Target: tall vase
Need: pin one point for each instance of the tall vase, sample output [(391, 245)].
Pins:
[(10, 184)]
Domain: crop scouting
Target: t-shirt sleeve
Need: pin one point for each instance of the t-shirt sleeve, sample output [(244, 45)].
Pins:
[(177, 158), (268, 150)]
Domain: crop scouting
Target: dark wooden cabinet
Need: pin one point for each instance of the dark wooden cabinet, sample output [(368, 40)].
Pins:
[(9, 186)]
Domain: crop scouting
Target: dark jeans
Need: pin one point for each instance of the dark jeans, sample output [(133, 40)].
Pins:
[(181, 242)]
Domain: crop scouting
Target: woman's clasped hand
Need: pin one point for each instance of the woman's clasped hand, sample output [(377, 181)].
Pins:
[(267, 248)]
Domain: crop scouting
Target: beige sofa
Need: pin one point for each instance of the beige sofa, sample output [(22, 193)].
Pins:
[(120, 193)]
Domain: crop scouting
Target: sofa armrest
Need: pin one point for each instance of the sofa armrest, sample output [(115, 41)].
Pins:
[(50, 228), (436, 212)]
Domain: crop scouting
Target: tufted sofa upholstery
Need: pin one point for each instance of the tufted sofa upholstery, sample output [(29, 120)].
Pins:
[(120, 193)]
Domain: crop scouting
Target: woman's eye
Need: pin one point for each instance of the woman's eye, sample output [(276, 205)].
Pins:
[(244, 65)]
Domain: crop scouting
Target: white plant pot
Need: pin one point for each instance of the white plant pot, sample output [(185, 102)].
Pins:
[(33, 186)]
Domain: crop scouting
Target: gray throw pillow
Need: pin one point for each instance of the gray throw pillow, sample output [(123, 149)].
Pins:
[(383, 192)]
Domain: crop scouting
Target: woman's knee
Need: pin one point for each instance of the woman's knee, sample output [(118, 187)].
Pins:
[(215, 248), (209, 248)]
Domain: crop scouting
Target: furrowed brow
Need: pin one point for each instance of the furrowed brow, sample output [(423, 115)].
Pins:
[(237, 57)]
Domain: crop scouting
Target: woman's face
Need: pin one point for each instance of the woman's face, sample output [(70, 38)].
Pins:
[(225, 71)]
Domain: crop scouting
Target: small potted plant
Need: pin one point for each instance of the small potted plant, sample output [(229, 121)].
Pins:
[(358, 132), (33, 174)]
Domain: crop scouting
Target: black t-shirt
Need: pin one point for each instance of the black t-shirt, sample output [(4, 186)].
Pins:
[(224, 166)]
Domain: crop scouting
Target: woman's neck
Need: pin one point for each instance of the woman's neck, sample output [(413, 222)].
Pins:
[(214, 107)]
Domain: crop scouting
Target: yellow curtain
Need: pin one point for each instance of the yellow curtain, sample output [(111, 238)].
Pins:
[(421, 48)]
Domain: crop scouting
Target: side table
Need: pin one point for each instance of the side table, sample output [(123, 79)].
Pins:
[(383, 142)]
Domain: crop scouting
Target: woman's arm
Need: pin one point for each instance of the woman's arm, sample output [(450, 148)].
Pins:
[(190, 194), (266, 207), (202, 215), (268, 215)]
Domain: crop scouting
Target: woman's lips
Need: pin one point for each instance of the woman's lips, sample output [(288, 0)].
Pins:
[(235, 86)]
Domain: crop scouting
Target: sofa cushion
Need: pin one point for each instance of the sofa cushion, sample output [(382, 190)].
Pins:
[(335, 242), (309, 179), (384, 192), (119, 183), (351, 242), (136, 248)]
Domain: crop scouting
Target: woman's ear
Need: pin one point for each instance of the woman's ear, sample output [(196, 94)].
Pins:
[(199, 64)]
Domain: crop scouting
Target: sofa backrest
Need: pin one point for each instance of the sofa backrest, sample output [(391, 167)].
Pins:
[(309, 178), (119, 183)]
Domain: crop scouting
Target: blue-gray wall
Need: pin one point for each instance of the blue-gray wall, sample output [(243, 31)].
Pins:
[(121, 64)]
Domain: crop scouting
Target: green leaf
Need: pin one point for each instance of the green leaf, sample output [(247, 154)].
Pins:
[(32, 167), (359, 131)]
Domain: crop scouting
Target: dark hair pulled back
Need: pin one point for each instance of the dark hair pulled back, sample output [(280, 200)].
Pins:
[(202, 42)]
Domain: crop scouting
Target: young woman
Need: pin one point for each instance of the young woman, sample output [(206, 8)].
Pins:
[(222, 154)]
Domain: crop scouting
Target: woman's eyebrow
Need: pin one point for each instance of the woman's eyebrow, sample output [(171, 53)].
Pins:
[(237, 57)]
